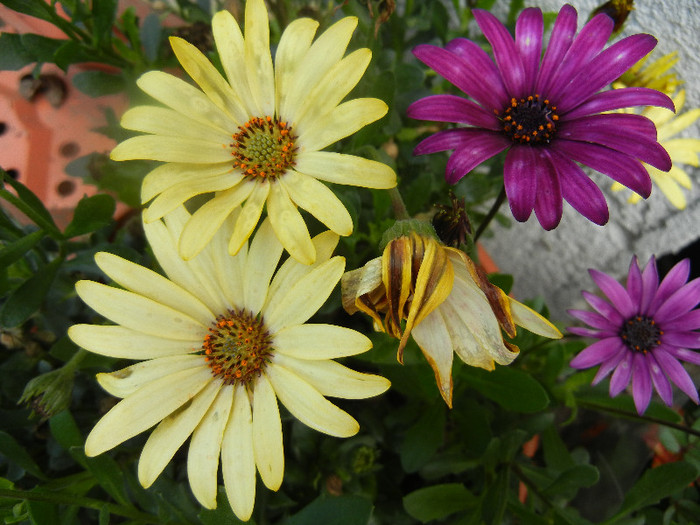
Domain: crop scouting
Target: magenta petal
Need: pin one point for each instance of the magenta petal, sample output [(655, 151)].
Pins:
[(604, 308), (689, 321), (661, 383), (681, 339), (691, 356), (504, 51), (681, 302), (589, 332), (615, 292), (548, 203), (604, 68), (674, 280), (476, 147), (637, 127), (441, 141), (528, 40), (451, 108), (579, 190), (618, 99), (650, 282), (563, 34), (593, 319), (520, 179), (618, 166), (610, 365), (488, 89), (587, 44), (641, 383), (597, 353), (622, 374), (676, 373), (634, 281)]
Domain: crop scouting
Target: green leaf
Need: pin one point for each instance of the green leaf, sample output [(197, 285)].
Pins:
[(13, 251), (13, 55), (438, 502), (655, 484), (339, 510), (625, 403), (91, 214), (36, 8), (423, 438), (556, 455), (26, 299), (99, 83), (40, 47), (103, 14), (503, 280), (150, 36), (29, 204), (16, 454), (43, 513), (73, 52), (511, 388), (571, 480)]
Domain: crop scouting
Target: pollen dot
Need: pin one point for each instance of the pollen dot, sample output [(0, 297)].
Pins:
[(264, 148), (640, 334), (529, 120)]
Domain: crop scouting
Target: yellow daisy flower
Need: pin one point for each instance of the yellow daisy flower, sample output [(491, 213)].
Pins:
[(221, 341), (681, 151), (256, 140), (448, 304), (657, 75)]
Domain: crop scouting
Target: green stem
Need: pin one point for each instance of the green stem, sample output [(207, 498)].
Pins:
[(491, 214), (89, 503), (632, 415), (397, 204)]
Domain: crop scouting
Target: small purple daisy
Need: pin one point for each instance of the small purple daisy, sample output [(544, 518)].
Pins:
[(644, 331), (548, 112)]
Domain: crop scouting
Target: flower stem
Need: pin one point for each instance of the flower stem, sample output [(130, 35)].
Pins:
[(632, 415), (89, 503), (491, 214), (397, 204)]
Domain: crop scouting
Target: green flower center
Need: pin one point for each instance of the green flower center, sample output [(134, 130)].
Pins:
[(238, 347), (641, 334), (263, 147), (529, 120)]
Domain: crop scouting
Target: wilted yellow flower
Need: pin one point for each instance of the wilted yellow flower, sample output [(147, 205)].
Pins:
[(256, 139), (448, 304), (681, 150), (221, 341)]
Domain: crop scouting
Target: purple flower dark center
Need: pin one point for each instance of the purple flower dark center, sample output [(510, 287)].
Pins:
[(529, 120), (641, 334)]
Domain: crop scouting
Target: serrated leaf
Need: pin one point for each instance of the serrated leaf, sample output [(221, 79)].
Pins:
[(438, 502), (13, 251), (91, 214), (338, 510), (15, 453), (511, 388), (26, 299)]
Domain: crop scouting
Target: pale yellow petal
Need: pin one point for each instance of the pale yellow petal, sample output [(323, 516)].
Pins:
[(229, 269), (303, 299), (150, 284), (435, 341), (137, 312), (178, 194), (316, 198), (172, 432), (346, 169), (249, 216), (123, 343), (308, 405), (258, 60), (670, 189), (208, 78), (683, 151), (294, 43), (677, 174), (165, 121), (267, 434), (289, 225), (320, 341), (263, 256), (171, 149), (332, 88), (206, 221), (532, 321), (325, 52), (678, 124), (342, 121), (171, 174), (205, 448), (333, 379), (184, 98), (237, 456), (229, 44), (146, 407), (126, 381)]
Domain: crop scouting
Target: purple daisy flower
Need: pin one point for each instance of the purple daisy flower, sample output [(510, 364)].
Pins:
[(644, 331), (546, 111)]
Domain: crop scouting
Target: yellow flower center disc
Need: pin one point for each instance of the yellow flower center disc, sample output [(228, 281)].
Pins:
[(263, 147)]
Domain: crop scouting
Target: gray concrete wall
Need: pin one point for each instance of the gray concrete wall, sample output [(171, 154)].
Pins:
[(554, 264)]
